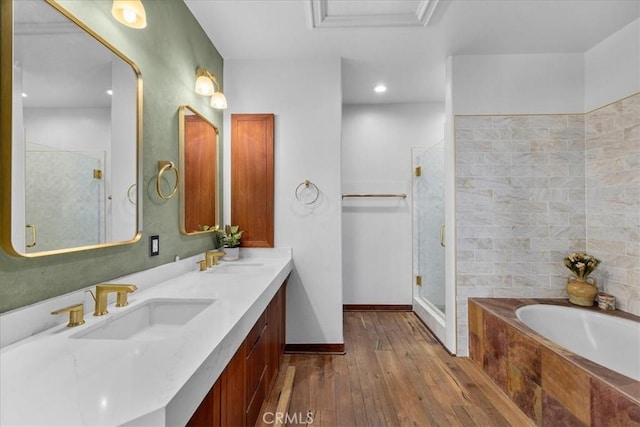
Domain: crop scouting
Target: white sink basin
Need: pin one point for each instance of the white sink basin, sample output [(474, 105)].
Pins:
[(155, 319), (247, 268)]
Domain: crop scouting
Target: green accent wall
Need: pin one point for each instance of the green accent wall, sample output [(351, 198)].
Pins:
[(167, 52)]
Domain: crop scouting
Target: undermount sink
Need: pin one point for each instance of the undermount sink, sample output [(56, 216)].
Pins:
[(155, 319), (246, 268)]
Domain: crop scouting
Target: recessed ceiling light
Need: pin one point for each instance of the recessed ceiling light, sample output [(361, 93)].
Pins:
[(24, 95), (109, 92), (380, 88)]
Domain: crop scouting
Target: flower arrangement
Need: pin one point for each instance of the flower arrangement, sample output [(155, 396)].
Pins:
[(581, 264)]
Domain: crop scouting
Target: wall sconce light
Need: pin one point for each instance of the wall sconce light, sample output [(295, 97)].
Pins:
[(206, 83), (130, 13)]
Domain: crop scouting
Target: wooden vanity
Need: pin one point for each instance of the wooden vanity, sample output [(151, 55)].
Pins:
[(236, 397)]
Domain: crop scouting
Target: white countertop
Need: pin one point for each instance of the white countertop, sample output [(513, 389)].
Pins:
[(52, 379)]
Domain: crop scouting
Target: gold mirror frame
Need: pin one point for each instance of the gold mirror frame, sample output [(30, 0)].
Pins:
[(186, 172), (6, 106)]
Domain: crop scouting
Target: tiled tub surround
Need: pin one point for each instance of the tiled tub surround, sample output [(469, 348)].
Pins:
[(613, 198), (548, 383), (52, 379), (530, 188)]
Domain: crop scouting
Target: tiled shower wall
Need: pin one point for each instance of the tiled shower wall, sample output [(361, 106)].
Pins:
[(520, 205), (613, 198), (530, 188)]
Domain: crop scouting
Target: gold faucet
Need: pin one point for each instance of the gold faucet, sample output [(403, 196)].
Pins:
[(101, 296), (76, 314), (212, 257)]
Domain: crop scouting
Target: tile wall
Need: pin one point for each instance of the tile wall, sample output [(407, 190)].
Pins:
[(613, 198), (530, 188), (520, 206)]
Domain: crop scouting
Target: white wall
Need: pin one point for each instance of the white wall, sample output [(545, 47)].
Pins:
[(612, 67), (305, 97), (73, 129), (376, 158), (518, 84)]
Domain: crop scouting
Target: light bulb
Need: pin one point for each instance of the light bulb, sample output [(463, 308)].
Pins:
[(129, 15), (204, 86), (380, 88), (219, 101)]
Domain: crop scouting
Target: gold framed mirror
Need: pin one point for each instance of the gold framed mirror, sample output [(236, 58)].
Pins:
[(71, 113), (199, 171)]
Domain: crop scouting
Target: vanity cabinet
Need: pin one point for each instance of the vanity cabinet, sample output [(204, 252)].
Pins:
[(237, 396), (208, 413)]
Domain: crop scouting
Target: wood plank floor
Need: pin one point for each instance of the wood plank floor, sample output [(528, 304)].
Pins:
[(394, 373)]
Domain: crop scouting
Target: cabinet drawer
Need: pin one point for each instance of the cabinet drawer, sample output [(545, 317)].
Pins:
[(255, 402), (256, 363), (256, 331)]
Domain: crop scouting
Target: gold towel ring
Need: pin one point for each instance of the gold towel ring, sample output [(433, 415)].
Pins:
[(311, 187), (133, 198), (163, 166)]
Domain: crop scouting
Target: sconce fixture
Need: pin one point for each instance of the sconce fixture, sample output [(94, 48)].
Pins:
[(206, 83), (130, 13)]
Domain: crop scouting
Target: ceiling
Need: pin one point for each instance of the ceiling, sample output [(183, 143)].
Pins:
[(404, 43)]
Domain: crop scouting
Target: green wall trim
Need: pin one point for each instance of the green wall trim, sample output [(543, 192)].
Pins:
[(167, 52)]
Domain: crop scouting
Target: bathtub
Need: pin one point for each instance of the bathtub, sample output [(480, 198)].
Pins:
[(561, 365), (613, 342)]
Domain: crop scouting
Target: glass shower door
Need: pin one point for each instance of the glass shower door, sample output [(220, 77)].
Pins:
[(64, 199), (429, 220)]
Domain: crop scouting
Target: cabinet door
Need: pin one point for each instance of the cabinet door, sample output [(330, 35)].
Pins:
[(252, 177), (233, 386), (256, 374), (208, 413), (276, 332)]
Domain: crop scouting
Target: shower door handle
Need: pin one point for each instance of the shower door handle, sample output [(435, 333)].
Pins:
[(442, 236), (34, 234)]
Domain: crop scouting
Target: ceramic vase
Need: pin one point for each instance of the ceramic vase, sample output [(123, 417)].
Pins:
[(582, 291), (231, 254)]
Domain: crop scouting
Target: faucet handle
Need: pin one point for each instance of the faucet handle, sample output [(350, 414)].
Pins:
[(212, 257), (76, 314)]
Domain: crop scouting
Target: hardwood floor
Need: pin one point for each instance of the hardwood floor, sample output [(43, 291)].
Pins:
[(394, 373)]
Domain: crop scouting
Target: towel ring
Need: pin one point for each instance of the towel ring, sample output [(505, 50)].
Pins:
[(163, 166), (133, 198), (305, 185)]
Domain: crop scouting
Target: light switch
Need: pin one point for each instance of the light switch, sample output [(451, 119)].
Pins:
[(154, 245)]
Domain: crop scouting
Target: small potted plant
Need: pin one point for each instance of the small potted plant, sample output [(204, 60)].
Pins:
[(230, 239), (582, 289)]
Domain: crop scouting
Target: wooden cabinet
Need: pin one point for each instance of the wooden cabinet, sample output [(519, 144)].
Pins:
[(252, 177), (232, 393), (256, 363), (208, 413), (276, 317), (237, 396)]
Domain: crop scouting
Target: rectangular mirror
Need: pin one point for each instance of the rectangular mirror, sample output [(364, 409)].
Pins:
[(71, 154), (199, 157)]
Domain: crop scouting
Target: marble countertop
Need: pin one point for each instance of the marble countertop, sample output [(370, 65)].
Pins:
[(52, 379)]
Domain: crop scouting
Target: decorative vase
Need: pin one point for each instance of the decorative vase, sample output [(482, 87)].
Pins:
[(582, 290), (231, 254)]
